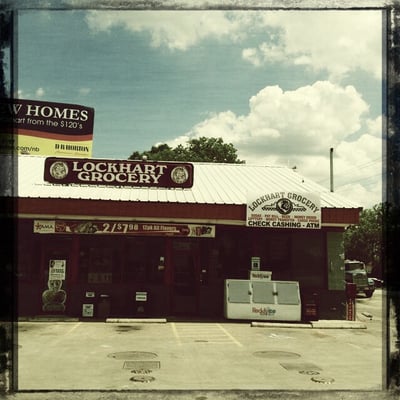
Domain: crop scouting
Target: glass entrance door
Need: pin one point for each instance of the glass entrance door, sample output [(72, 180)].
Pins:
[(185, 285)]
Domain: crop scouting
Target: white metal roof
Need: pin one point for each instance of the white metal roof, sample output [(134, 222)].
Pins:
[(212, 184)]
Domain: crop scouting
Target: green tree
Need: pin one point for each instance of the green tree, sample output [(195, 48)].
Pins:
[(201, 149), (364, 241)]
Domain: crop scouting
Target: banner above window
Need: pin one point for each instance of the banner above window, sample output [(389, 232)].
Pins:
[(293, 210), (122, 228)]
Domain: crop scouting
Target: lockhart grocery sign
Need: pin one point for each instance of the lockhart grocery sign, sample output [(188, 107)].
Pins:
[(118, 172), (46, 128), (284, 210), (122, 228)]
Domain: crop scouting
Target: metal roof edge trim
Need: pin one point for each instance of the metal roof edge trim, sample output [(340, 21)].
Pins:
[(328, 207), (166, 220), (225, 194), (133, 219)]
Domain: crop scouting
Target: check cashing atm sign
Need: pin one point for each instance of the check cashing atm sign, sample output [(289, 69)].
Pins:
[(291, 210)]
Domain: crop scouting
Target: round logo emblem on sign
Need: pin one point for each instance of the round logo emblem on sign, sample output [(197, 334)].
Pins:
[(284, 206), (59, 170), (180, 174)]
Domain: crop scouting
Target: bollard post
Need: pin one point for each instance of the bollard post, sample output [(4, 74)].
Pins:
[(351, 293)]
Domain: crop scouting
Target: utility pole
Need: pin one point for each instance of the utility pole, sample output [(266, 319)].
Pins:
[(331, 168)]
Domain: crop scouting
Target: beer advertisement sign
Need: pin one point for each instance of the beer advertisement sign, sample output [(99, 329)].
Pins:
[(46, 128), (293, 210), (123, 228), (57, 270)]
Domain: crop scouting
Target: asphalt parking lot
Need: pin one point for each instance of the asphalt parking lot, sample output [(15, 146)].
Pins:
[(220, 355), (194, 356)]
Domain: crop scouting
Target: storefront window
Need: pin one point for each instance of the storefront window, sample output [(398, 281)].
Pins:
[(145, 260), (309, 259), (55, 248), (279, 250), (210, 267), (99, 261), (234, 254), (28, 256), (275, 252), (100, 265)]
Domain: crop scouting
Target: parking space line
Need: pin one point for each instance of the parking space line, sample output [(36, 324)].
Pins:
[(355, 346), (211, 333), (74, 327), (229, 335), (176, 334), (60, 338)]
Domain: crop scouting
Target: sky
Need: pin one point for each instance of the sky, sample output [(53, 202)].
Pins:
[(282, 86)]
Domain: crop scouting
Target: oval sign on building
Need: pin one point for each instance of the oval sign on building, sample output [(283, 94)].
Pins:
[(292, 210), (118, 172)]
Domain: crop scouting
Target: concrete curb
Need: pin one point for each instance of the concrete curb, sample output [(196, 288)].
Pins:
[(48, 318), (327, 324), (279, 325), (321, 324), (136, 320)]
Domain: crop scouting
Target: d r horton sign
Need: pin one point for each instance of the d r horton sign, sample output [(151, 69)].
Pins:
[(46, 128), (118, 172), (284, 210)]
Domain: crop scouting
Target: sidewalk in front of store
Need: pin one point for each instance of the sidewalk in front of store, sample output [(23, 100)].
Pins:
[(319, 324)]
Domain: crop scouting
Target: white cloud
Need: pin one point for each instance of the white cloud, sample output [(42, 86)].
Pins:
[(39, 92), (252, 56), (21, 94), (298, 128), (178, 30), (375, 126), (357, 166), (304, 121), (84, 91), (334, 41), (365, 196), (360, 163)]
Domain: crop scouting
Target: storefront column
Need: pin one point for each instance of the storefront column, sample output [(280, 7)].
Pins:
[(335, 258), (74, 259), (43, 258), (168, 275), (333, 300)]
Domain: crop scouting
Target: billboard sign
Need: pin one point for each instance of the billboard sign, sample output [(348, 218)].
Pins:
[(293, 210), (118, 172), (46, 128)]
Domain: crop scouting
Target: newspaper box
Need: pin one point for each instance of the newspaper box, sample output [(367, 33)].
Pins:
[(262, 300)]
